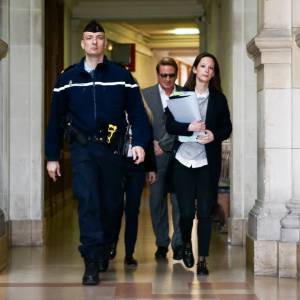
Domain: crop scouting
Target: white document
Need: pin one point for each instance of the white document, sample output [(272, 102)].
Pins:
[(185, 109)]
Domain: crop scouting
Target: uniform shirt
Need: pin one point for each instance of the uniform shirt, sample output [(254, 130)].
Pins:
[(88, 68), (193, 154), (94, 100)]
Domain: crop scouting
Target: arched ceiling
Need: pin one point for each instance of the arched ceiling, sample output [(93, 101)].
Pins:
[(154, 19), (108, 10)]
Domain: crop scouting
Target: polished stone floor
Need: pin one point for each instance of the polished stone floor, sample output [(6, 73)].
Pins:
[(53, 272)]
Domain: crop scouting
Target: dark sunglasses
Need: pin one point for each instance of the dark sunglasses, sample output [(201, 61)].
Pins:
[(165, 75)]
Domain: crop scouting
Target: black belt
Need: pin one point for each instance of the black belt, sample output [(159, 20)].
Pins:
[(96, 139)]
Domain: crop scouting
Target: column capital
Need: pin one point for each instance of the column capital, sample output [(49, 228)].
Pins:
[(3, 48), (271, 46)]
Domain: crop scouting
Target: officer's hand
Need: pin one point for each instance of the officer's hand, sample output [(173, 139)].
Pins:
[(138, 154), (53, 169)]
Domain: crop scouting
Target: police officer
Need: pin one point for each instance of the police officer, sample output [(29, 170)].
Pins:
[(94, 95)]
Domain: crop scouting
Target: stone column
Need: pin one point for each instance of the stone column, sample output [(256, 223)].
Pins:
[(289, 247), (26, 121), (290, 231), (272, 53), (4, 132), (242, 85), (3, 188)]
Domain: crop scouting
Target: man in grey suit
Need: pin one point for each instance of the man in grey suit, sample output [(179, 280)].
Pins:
[(156, 97)]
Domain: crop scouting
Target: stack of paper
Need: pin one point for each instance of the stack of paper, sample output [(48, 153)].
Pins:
[(185, 109)]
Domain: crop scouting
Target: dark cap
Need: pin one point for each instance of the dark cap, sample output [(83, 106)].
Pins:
[(93, 26)]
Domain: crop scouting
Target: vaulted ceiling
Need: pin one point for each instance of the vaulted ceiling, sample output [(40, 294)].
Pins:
[(155, 19)]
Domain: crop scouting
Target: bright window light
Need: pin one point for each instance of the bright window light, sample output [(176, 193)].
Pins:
[(186, 31)]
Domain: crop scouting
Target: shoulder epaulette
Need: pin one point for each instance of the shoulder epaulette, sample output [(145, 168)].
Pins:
[(68, 68)]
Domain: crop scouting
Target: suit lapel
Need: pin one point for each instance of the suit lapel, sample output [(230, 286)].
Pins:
[(156, 101)]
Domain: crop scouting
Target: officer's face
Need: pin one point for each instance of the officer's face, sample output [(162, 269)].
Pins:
[(93, 43), (166, 77)]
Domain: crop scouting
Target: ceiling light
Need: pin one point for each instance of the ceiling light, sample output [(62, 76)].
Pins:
[(186, 31), (110, 47)]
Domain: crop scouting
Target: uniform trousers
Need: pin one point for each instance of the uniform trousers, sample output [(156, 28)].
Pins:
[(134, 181), (193, 187), (97, 184)]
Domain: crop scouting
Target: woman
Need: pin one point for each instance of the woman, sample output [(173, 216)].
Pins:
[(197, 165)]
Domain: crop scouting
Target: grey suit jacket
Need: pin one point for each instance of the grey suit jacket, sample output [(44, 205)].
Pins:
[(152, 97)]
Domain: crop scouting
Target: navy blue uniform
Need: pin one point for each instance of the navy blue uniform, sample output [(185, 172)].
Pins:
[(92, 99)]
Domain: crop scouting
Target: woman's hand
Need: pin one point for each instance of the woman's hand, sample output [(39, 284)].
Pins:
[(206, 137), (197, 126)]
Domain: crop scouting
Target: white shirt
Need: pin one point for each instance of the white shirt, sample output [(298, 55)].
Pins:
[(193, 154), (88, 68), (164, 97)]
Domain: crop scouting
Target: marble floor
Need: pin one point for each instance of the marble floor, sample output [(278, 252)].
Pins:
[(53, 272)]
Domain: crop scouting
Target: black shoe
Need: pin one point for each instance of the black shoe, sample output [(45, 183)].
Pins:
[(91, 274), (103, 264), (178, 252), (130, 261), (202, 268), (188, 257), (161, 252), (112, 251)]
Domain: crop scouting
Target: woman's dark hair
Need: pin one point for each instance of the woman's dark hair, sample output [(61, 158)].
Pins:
[(215, 82)]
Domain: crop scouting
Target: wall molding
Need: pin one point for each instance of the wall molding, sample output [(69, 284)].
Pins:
[(271, 46)]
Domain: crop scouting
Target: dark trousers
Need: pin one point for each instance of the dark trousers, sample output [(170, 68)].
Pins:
[(97, 184), (134, 180), (194, 192)]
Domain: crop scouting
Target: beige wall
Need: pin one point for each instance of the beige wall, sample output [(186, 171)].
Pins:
[(213, 20), (145, 62), (145, 70), (67, 35), (219, 39)]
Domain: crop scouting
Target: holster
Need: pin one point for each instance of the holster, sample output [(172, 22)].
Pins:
[(108, 134)]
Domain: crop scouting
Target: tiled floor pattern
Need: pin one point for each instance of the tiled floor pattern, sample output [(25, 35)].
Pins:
[(53, 272), (205, 291)]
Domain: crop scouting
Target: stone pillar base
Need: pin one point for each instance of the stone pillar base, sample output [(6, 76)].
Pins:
[(262, 257), (290, 234), (27, 232), (289, 260), (4, 244), (237, 231)]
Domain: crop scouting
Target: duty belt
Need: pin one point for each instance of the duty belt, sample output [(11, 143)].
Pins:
[(104, 136)]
